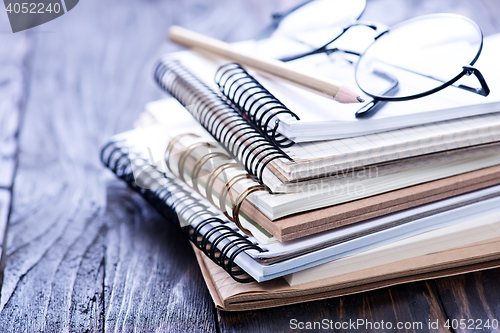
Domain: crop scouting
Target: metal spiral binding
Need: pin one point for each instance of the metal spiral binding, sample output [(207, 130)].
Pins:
[(214, 174), (215, 230), (253, 101), (244, 140)]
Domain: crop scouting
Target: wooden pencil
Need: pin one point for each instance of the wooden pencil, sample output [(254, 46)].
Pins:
[(323, 86)]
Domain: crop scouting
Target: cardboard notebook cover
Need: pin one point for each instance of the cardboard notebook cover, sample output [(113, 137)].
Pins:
[(311, 222), (230, 295)]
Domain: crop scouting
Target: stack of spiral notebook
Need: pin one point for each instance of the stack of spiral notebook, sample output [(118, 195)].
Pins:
[(275, 222)]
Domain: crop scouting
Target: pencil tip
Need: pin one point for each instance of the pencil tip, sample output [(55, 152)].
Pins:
[(346, 95)]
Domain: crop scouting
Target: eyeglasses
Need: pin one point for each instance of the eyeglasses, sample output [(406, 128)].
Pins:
[(410, 60)]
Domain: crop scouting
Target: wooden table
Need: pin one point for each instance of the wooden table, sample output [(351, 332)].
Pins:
[(82, 252)]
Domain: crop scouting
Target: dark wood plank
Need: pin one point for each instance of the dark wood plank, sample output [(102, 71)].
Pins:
[(473, 296), (13, 94), (123, 268), (156, 283), (79, 259)]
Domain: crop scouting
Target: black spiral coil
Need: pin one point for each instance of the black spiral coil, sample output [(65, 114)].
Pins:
[(243, 140), (158, 190), (253, 101)]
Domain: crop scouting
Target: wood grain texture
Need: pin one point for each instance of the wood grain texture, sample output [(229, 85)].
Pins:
[(84, 253), (13, 94), (473, 296), (79, 259)]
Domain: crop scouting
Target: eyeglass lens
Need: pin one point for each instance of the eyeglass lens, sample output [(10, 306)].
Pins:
[(421, 54)]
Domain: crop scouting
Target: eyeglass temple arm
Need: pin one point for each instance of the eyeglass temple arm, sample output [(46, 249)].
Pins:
[(484, 90), (377, 103), (466, 70), (324, 49), (318, 51)]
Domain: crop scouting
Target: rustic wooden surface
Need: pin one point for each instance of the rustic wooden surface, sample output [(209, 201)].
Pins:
[(82, 253)]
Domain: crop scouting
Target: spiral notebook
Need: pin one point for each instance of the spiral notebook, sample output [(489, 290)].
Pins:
[(238, 253), (272, 159)]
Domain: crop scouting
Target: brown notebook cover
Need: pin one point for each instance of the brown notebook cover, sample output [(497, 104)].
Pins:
[(311, 222), (230, 295)]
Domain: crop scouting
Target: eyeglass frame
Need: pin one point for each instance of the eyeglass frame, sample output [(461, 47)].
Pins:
[(467, 70)]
